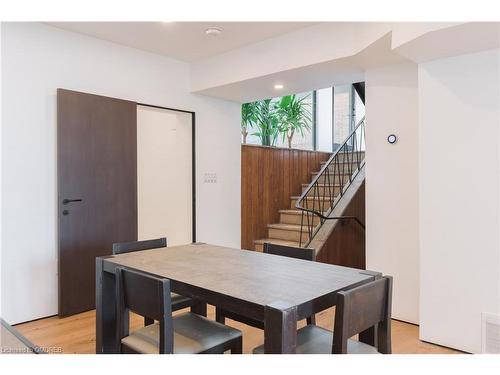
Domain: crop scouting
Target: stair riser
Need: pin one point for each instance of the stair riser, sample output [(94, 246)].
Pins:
[(288, 235), (350, 157), (259, 247), (335, 190), (296, 219), (310, 204), (342, 167), (333, 178)]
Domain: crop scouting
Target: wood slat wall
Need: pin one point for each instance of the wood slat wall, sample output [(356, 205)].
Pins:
[(269, 176)]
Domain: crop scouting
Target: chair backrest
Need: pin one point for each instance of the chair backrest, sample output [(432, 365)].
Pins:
[(145, 295), (362, 308), (127, 247), (289, 251)]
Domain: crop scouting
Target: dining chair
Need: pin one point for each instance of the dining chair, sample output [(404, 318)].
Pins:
[(357, 310), (290, 251), (178, 302), (271, 248), (187, 333), (128, 247)]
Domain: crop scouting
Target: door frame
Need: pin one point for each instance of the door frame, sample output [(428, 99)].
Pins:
[(193, 152), (193, 167), (193, 158)]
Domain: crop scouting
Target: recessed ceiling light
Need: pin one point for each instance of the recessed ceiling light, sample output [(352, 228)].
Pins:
[(278, 86), (213, 31)]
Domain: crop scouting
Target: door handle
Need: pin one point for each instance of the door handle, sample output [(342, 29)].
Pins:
[(66, 201)]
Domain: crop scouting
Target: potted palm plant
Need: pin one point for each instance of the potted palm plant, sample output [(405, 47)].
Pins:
[(267, 122), (248, 118), (294, 116)]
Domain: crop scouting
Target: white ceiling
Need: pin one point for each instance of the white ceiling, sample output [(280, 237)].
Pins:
[(339, 71), (452, 41), (184, 41)]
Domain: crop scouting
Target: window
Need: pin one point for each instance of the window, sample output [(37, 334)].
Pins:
[(301, 139), (338, 110), (335, 111)]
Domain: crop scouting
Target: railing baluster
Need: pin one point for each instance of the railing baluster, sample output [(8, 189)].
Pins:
[(301, 227), (328, 184), (340, 177)]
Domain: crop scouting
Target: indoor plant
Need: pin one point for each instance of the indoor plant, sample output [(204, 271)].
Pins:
[(294, 116), (267, 122), (248, 118)]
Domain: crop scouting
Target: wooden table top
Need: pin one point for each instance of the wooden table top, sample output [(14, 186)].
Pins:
[(247, 275)]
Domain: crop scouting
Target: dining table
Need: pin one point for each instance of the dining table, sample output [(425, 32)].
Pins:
[(275, 290)]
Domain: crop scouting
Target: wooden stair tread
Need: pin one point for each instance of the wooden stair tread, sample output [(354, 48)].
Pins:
[(343, 161), (334, 173), (350, 152), (295, 212), (291, 212), (325, 185), (291, 227), (325, 198)]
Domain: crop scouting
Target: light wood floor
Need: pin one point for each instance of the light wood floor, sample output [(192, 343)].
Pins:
[(76, 334)]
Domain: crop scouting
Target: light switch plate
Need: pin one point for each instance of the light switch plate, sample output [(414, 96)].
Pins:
[(210, 178)]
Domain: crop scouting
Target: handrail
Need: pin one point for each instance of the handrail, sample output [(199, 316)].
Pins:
[(355, 218), (323, 204)]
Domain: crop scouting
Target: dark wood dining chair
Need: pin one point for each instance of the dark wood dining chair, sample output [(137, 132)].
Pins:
[(128, 247), (271, 248), (186, 333), (178, 302), (290, 251), (357, 310)]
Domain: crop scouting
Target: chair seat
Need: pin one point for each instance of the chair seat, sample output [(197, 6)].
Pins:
[(316, 340), (192, 334)]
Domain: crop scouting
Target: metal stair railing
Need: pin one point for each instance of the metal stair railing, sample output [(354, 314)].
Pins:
[(339, 171)]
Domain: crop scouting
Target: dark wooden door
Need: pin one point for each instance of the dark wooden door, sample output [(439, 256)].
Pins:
[(97, 167)]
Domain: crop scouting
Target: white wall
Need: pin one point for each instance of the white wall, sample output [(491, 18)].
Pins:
[(392, 237), (36, 60), (164, 175), (459, 197)]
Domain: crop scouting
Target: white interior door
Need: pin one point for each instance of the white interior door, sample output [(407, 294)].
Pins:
[(164, 175)]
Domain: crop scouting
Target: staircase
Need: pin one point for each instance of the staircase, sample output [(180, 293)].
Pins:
[(302, 219), (287, 231)]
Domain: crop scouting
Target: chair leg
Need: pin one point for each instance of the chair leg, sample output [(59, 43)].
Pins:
[(148, 321), (219, 316), (199, 308), (237, 347), (311, 320)]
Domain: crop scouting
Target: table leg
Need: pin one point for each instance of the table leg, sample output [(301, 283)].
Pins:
[(105, 310), (280, 328)]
